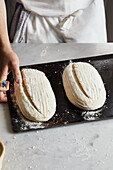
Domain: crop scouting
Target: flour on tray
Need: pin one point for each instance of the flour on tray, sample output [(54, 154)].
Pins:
[(91, 115)]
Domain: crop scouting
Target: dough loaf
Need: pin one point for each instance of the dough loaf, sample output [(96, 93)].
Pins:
[(35, 96), (2, 152), (84, 86)]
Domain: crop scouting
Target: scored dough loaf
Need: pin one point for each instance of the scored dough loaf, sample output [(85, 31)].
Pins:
[(34, 96), (84, 86)]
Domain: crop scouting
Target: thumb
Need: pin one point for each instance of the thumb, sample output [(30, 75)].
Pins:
[(3, 76), (4, 73), (16, 72)]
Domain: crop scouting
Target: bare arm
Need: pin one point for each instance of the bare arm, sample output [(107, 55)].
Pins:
[(4, 39), (8, 59)]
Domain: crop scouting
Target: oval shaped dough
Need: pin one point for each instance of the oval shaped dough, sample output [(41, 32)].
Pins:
[(35, 96), (84, 86), (2, 152)]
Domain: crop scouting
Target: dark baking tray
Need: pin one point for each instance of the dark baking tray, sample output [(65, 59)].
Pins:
[(66, 113)]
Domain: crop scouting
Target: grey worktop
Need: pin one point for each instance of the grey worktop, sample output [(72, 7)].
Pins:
[(87, 146)]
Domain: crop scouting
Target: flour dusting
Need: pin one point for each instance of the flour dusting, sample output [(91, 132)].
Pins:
[(91, 115), (43, 52)]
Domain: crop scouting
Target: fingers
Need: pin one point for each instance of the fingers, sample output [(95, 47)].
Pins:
[(4, 88), (3, 76), (9, 62), (3, 97), (3, 73), (7, 86), (16, 72)]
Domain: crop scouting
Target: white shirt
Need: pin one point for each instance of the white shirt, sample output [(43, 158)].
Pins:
[(53, 21), (55, 7)]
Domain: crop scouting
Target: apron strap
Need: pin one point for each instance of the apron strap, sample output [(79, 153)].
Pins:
[(18, 24)]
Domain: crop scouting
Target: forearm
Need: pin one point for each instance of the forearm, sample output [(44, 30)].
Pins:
[(4, 39)]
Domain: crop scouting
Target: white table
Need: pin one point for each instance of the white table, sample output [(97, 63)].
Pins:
[(86, 146)]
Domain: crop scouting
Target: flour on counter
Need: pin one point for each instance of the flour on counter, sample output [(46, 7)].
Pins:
[(43, 52)]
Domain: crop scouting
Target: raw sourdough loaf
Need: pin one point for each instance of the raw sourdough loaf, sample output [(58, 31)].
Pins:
[(84, 86), (35, 96), (2, 152)]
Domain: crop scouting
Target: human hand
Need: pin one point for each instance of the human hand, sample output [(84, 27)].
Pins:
[(8, 62)]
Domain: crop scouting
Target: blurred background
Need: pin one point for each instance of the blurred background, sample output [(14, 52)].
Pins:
[(108, 14)]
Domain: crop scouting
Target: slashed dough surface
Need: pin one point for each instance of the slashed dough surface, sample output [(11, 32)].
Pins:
[(35, 96), (84, 86)]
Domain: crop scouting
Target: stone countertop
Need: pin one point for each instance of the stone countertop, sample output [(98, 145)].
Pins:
[(86, 146)]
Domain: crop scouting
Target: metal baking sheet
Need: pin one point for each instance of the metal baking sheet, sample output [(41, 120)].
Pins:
[(66, 113)]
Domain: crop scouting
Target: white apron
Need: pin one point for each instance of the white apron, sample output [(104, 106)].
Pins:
[(55, 21)]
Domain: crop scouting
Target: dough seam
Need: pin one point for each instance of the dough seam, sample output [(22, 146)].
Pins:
[(77, 81)]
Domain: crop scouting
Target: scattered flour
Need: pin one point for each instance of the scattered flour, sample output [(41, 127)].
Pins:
[(91, 115), (43, 52)]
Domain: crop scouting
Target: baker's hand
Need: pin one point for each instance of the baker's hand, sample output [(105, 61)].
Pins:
[(8, 62)]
